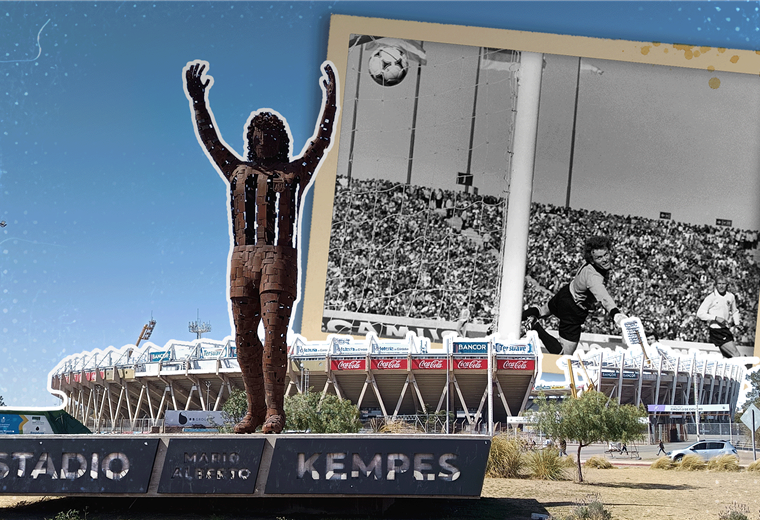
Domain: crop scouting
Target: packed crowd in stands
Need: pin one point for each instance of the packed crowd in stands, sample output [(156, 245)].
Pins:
[(406, 251), (417, 252)]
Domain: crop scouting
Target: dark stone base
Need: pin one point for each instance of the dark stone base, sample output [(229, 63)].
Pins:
[(289, 465)]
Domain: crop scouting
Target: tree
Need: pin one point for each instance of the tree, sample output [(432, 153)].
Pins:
[(321, 414), (753, 396), (593, 417)]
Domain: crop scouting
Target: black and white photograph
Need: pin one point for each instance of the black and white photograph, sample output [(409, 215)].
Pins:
[(644, 185)]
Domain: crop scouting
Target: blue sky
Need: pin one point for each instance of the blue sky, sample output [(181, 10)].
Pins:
[(113, 210)]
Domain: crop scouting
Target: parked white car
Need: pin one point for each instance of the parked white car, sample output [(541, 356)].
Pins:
[(705, 449)]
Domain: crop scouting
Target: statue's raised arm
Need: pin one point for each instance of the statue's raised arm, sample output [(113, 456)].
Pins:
[(196, 85), (321, 141)]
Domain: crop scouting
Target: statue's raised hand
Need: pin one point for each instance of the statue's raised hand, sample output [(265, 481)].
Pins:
[(194, 76), (329, 81)]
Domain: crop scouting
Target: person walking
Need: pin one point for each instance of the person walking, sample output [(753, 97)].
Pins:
[(662, 448)]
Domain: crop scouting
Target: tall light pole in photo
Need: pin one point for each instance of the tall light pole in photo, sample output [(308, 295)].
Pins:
[(503, 60), (414, 119), (466, 176), (581, 67)]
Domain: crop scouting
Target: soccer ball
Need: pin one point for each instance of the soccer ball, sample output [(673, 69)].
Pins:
[(388, 66)]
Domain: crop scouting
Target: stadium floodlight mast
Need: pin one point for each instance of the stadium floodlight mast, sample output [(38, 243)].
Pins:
[(147, 330), (198, 327)]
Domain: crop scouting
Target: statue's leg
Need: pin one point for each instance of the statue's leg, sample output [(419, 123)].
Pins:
[(276, 308), (247, 315)]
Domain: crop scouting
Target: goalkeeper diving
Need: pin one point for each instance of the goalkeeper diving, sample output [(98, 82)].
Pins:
[(574, 301)]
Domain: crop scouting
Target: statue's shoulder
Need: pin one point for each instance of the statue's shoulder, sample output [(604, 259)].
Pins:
[(254, 168)]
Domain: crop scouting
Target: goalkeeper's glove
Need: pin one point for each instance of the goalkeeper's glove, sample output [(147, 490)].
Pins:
[(618, 319)]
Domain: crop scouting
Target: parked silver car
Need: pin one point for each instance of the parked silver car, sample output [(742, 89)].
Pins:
[(705, 449)]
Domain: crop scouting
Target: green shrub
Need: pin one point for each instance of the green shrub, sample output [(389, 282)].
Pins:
[(598, 463), (723, 463), (691, 462), (663, 463), (735, 511), (71, 514), (329, 414), (546, 464), (754, 466), (506, 458), (589, 508)]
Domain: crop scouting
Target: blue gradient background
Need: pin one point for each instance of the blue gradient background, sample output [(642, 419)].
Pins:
[(113, 210)]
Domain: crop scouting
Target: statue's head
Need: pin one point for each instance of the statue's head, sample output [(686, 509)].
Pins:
[(268, 138)]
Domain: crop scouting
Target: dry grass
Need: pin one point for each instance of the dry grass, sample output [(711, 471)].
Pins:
[(397, 427), (724, 463), (589, 507), (630, 493), (754, 466), (546, 465), (663, 463), (691, 462), (598, 462), (506, 459)]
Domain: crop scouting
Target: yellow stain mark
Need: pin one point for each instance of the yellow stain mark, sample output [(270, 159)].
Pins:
[(757, 52), (714, 83), (721, 50), (688, 53), (656, 44), (734, 58), (665, 50), (645, 50), (710, 68), (704, 49), (696, 54)]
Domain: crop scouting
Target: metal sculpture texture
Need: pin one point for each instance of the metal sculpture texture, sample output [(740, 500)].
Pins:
[(266, 195)]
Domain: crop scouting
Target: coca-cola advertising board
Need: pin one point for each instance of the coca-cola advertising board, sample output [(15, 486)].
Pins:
[(471, 364), (348, 364), (515, 364), (429, 364), (389, 364)]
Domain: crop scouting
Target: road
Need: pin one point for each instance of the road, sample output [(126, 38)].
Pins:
[(648, 453)]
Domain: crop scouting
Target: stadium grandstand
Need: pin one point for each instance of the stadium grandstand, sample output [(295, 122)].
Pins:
[(131, 389)]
